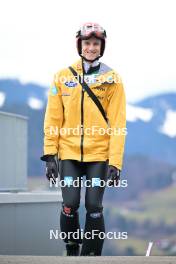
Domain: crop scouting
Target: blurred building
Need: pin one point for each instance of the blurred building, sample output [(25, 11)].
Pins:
[(26, 217)]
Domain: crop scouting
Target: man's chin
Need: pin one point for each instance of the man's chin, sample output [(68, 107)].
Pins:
[(90, 58)]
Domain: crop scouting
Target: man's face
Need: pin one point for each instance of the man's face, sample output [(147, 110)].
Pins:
[(91, 48)]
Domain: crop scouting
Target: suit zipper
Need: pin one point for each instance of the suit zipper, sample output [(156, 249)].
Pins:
[(82, 123)]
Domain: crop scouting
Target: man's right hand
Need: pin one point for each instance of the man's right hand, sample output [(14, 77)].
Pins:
[(51, 166)]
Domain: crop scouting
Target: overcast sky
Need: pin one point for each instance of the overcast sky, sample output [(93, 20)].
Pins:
[(37, 38)]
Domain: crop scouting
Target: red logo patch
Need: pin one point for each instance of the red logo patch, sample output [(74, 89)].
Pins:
[(67, 210)]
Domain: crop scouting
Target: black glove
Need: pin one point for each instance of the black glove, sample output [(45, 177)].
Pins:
[(52, 166), (113, 175)]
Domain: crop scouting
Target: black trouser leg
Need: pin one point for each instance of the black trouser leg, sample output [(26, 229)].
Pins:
[(95, 171), (69, 218)]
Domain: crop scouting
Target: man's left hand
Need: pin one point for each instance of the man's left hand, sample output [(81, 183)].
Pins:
[(113, 175)]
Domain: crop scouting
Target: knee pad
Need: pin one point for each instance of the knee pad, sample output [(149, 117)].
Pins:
[(96, 215), (95, 220), (93, 207), (69, 211)]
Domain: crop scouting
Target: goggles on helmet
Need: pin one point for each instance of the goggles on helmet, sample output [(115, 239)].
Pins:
[(91, 29)]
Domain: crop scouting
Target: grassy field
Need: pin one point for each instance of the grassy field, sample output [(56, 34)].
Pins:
[(155, 206)]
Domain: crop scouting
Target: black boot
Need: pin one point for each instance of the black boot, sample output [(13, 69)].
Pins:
[(73, 249), (93, 246)]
